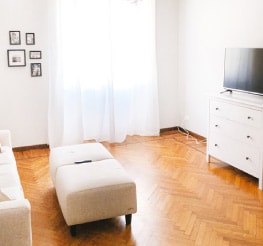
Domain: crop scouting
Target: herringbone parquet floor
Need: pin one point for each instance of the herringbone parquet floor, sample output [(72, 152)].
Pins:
[(182, 200)]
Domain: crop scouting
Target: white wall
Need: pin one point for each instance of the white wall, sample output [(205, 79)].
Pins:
[(23, 99), (167, 61), (206, 27)]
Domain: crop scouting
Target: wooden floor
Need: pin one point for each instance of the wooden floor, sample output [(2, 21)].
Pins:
[(182, 200)]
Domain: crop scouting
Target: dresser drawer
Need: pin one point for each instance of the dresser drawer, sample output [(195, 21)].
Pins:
[(231, 111), (235, 153), (236, 131)]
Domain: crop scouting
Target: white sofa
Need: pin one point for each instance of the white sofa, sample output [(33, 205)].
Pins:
[(15, 210)]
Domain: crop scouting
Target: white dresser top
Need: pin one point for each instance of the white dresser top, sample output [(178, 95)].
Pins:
[(240, 97)]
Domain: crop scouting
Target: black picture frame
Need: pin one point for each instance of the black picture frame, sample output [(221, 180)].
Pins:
[(30, 38), (35, 54), (36, 69), (14, 38), (16, 58)]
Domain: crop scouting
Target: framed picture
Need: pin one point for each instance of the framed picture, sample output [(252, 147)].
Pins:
[(35, 54), (16, 58), (36, 70), (14, 37), (30, 38)]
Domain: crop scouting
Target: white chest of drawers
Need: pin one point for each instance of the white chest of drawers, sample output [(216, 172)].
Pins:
[(235, 134)]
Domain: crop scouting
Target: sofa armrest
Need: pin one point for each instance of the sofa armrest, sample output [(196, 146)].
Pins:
[(15, 223), (5, 138)]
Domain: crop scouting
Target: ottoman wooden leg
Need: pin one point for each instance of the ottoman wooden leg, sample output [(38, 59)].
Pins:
[(73, 230), (128, 218)]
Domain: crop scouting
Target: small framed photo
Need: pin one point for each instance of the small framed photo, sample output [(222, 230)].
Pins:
[(30, 38), (35, 54), (14, 37), (36, 70), (16, 58)]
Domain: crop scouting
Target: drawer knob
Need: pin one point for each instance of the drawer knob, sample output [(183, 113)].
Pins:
[(216, 145), (216, 125), (217, 108), (247, 158), (248, 137), (249, 118)]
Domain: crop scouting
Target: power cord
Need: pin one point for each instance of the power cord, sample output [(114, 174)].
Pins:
[(185, 132)]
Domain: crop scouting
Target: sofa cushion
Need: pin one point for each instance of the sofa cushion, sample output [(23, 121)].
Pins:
[(7, 156), (67, 155), (9, 176), (3, 197), (10, 184), (13, 193)]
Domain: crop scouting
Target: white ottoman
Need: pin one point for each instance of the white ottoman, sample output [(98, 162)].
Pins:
[(97, 188)]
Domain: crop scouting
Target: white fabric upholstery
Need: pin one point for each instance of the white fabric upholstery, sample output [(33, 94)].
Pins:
[(93, 191), (15, 211), (15, 223), (10, 182), (67, 155), (3, 197), (7, 156), (5, 138), (9, 176)]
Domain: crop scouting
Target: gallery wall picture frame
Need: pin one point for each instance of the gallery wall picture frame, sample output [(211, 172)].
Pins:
[(35, 54), (14, 38), (36, 70), (16, 58), (30, 38)]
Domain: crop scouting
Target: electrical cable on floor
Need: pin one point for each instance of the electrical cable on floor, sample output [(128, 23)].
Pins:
[(188, 135)]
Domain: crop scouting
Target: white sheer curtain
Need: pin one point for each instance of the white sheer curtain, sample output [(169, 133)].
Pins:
[(103, 82)]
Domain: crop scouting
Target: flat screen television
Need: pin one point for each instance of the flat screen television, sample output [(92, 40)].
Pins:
[(243, 70)]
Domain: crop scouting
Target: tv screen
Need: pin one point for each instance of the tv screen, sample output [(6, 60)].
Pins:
[(244, 70)]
